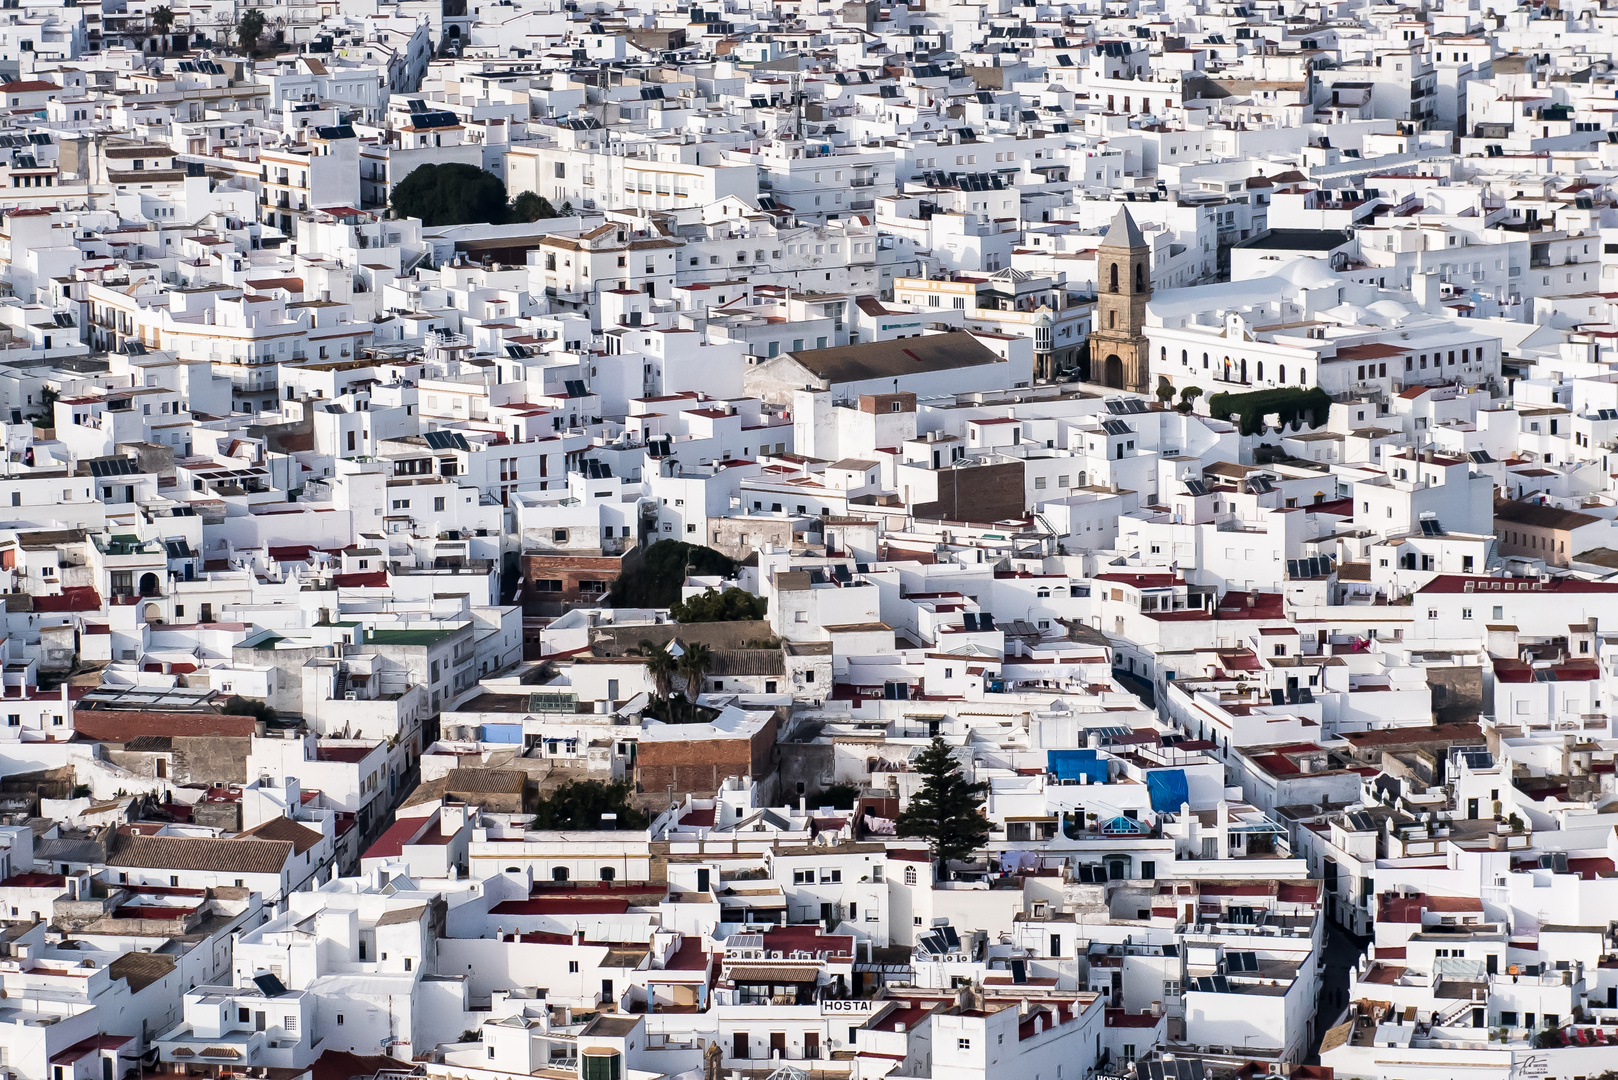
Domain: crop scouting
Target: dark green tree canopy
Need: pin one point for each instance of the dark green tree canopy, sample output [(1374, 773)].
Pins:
[(948, 811), (656, 581), (451, 194), (732, 605), (530, 207), (579, 804), (249, 28)]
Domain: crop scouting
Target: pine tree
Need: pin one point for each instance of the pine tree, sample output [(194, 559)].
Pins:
[(948, 811)]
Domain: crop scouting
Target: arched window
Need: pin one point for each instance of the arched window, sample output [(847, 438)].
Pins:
[(558, 873), (1043, 593), (1204, 361), (1114, 275), (1140, 277), (910, 875), (608, 873), (1281, 374), (1260, 369), (1163, 354), (1084, 479), (1303, 376), (513, 869), (1185, 358)]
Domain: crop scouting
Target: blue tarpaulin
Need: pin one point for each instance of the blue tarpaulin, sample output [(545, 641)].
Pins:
[(1071, 764), (1168, 789)]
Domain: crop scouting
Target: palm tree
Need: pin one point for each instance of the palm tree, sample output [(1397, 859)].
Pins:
[(660, 666), (694, 665), (163, 20), (250, 28)]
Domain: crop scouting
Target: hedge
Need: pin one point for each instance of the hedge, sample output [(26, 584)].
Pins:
[(1294, 405)]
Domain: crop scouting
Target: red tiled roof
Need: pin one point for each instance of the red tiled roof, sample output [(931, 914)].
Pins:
[(77, 598), (112, 725), (565, 906), (374, 579)]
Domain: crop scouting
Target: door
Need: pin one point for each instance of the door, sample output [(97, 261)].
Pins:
[(206, 614), (778, 1045), (702, 879), (258, 1021), (1471, 809), (811, 1045), (740, 1049), (606, 990), (825, 914)]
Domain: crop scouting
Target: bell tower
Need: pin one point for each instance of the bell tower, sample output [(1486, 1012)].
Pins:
[(1118, 348)]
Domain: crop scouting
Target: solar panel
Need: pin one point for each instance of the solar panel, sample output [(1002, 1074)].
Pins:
[(1115, 427), (1259, 485), (1196, 487), (1241, 961), (1431, 527), (269, 985), (111, 466), (1607, 414), (1479, 457), (574, 387), (1360, 821), (1019, 971), (446, 440)]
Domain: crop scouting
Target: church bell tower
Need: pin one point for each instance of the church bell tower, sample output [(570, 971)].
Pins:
[(1118, 348)]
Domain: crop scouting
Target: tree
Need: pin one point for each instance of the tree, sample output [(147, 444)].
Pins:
[(451, 194), (530, 207), (948, 811), (250, 28), (694, 664), (732, 605), (1165, 390), (660, 666), (163, 21), (46, 416), (1188, 398), (656, 581), (579, 804), (240, 706), (839, 796)]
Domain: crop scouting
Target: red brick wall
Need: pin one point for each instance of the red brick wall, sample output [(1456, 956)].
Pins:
[(700, 765)]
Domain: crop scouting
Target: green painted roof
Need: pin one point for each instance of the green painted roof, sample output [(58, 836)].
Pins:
[(405, 637)]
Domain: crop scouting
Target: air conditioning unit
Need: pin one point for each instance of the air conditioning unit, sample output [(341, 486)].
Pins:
[(350, 695)]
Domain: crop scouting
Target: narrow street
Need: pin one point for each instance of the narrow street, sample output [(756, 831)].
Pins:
[(1342, 951)]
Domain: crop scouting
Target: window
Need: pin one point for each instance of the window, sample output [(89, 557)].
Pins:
[(572, 967), (339, 1019), (831, 877), (963, 1044), (910, 875)]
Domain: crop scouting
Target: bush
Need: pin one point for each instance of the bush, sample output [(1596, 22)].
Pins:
[(451, 194), (530, 207), (656, 581), (579, 804), (732, 605), (838, 796), (240, 706), (1294, 405)]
